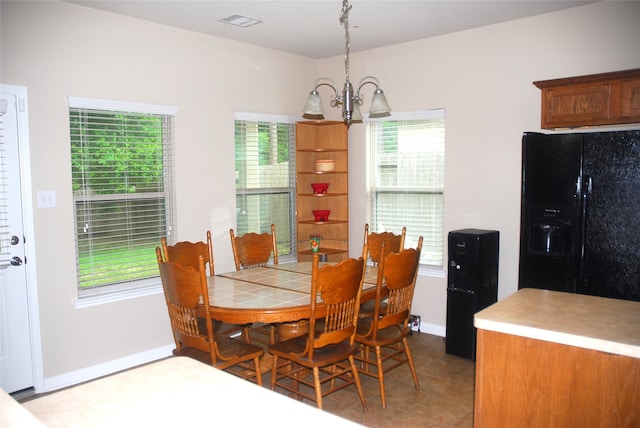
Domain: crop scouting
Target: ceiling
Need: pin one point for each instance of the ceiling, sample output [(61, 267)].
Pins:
[(312, 27)]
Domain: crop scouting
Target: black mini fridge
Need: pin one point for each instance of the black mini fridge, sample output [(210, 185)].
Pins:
[(472, 285)]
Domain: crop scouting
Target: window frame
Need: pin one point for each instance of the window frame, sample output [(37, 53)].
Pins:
[(150, 285), (290, 189), (425, 269)]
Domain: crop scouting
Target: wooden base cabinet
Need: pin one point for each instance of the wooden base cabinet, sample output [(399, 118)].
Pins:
[(322, 141), (524, 382)]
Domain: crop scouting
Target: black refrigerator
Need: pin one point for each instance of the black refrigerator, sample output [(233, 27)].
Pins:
[(580, 213)]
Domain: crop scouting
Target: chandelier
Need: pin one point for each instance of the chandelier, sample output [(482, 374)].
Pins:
[(349, 100)]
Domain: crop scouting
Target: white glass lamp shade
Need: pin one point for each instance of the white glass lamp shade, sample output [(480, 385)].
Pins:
[(313, 107), (356, 115), (379, 105)]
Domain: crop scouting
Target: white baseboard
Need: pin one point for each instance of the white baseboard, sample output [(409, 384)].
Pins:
[(110, 367), (437, 330)]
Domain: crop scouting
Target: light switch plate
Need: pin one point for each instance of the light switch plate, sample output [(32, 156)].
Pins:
[(46, 198)]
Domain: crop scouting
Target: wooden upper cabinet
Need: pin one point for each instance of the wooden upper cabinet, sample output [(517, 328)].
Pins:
[(597, 99)]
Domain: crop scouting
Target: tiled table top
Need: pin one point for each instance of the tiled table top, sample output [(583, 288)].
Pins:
[(268, 288)]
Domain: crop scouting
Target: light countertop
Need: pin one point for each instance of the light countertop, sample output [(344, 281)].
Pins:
[(12, 414), (175, 392), (597, 323)]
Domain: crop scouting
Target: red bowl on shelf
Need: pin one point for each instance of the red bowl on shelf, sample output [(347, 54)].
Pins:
[(319, 188), (321, 215)]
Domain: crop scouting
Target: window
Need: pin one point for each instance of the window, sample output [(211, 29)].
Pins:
[(122, 192), (265, 178), (406, 179)]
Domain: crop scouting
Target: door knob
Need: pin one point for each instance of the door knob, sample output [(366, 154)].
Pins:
[(16, 261)]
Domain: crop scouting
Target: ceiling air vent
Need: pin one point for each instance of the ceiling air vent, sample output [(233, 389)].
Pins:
[(240, 20)]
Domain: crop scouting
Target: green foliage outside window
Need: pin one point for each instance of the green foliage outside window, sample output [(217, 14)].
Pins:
[(268, 134), (118, 181), (110, 156)]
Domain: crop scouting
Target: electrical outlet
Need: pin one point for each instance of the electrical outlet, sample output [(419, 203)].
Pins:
[(414, 322), (46, 198)]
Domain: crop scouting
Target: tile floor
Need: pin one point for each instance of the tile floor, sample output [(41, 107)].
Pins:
[(445, 398)]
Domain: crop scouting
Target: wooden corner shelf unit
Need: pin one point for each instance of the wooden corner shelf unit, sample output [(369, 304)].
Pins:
[(322, 140)]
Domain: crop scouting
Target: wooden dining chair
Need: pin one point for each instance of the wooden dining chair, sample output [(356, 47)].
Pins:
[(382, 336), (375, 241), (328, 349), (187, 254), (253, 250), (187, 297)]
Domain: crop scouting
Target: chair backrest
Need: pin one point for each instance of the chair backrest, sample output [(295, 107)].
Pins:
[(186, 253), (186, 294), (392, 243), (338, 288), (398, 272), (254, 249)]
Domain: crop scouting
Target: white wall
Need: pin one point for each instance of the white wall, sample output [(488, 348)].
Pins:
[(481, 77), (58, 49)]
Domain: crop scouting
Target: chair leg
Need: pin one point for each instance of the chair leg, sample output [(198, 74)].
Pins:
[(318, 387), (333, 380), (245, 334), (294, 381), (356, 378), (256, 367), (410, 361), (364, 355), (380, 376), (272, 333), (274, 372)]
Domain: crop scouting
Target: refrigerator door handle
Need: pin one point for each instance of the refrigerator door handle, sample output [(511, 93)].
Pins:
[(586, 188)]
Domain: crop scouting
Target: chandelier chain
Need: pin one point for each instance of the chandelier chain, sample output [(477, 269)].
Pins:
[(344, 20), (350, 98)]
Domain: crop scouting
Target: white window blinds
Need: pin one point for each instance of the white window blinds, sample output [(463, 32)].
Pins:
[(407, 180), (265, 178), (122, 191)]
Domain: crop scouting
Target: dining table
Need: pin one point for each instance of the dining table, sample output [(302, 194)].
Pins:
[(278, 293)]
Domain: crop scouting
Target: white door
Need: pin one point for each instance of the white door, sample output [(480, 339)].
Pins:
[(16, 367)]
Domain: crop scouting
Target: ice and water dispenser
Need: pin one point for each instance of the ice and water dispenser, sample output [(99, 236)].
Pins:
[(549, 231)]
